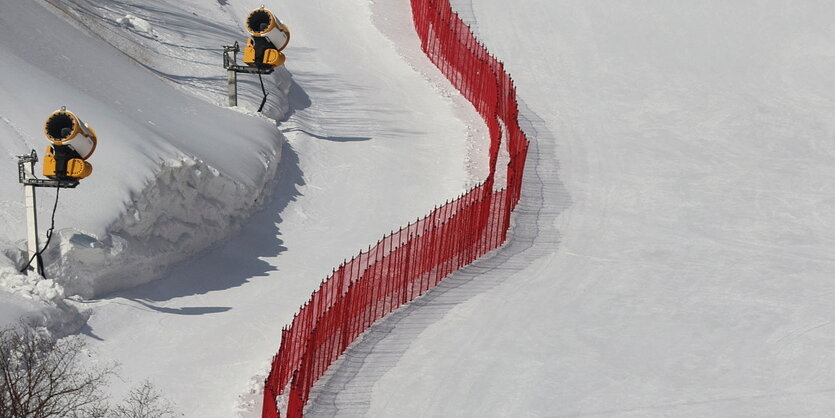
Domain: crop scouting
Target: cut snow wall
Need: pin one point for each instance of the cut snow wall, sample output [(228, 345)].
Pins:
[(184, 209)]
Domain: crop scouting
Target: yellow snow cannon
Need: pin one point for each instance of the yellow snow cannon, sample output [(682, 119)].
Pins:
[(269, 38), (73, 142)]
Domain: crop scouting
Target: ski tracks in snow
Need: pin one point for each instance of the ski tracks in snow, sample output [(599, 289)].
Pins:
[(346, 389)]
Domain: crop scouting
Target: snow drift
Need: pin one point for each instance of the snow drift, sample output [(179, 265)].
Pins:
[(172, 173)]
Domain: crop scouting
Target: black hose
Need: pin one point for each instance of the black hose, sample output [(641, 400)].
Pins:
[(48, 239), (264, 100)]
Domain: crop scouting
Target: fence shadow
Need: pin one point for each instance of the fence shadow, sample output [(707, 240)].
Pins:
[(346, 388), (410, 262)]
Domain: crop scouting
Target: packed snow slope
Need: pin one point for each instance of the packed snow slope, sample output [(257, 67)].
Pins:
[(172, 173), (673, 250), (375, 139)]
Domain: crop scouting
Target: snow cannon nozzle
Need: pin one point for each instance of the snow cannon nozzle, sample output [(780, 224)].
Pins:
[(62, 127), (260, 21), (72, 142), (269, 38)]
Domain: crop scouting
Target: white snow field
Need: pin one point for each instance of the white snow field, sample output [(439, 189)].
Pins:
[(370, 137), (671, 255), (674, 249)]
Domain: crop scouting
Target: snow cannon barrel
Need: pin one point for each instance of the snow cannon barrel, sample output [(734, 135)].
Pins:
[(263, 23), (62, 127), (73, 142), (269, 37)]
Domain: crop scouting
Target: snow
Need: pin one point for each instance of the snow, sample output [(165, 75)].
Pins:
[(238, 217), (672, 253), (155, 177), (133, 22)]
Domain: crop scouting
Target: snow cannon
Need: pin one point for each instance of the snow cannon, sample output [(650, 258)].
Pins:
[(269, 38), (73, 142)]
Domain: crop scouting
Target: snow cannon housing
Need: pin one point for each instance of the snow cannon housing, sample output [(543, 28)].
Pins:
[(269, 38), (73, 142)]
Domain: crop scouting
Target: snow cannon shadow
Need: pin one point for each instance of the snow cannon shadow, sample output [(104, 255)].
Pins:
[(188, 310), (297, 98)]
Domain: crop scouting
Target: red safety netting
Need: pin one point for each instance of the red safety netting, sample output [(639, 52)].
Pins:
[(407, 263)]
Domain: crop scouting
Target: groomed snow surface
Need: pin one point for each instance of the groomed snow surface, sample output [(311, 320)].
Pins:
[(681, 262), (671, 255), (238, 215)]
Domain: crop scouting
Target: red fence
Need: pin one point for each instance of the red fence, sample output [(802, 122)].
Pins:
[(407, 263)]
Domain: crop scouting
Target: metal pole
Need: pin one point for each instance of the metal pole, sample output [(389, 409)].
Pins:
[(233, 88), (31, 216), (230, 58)]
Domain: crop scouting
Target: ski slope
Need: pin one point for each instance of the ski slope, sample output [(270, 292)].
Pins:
[(672, 253), (372, 142), (364, 136)]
